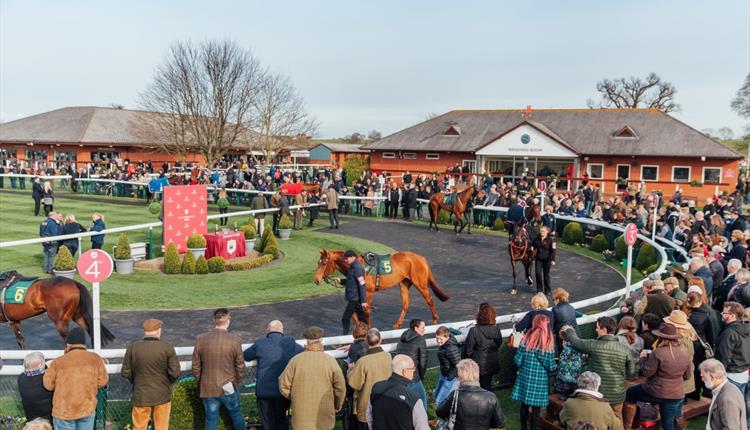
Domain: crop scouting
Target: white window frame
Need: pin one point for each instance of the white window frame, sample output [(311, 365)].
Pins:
[(588, 170), (690, 173), (471, 163), (703, 175), (409, 155), (389, 155), (657, 173), (432, 156)]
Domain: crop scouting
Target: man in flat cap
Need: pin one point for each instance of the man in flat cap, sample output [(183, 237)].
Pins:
[(151, 365), (315, 385)]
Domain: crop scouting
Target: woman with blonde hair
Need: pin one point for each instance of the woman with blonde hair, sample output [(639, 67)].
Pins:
[(70, 226), (539, 306), (535, 359), (48, 198)]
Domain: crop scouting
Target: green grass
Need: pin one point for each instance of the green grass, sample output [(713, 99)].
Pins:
[(737, 145), (288, 279)]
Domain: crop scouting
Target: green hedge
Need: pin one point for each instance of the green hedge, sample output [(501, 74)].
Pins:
[(572, 233), (621, 248), (188, 264), (154, 208), (443, 217), (599, 243), (187, 408), (172, 260), (216, 264), (499, 225), (122, 250), (247, 265), (201, 266), (647, 256)]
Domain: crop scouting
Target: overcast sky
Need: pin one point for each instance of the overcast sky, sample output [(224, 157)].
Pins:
[(385, 65)]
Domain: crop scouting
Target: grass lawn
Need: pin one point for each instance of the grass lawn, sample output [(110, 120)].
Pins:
[(291, 278)]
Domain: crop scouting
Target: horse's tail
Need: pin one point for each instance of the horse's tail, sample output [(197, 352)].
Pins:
[(86, 310), (439, 292)]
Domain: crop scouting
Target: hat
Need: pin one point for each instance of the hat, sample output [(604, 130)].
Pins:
[(313, 333), (350, 253), (152, 324), (657, 284), (76, 337), (678, 319), (672, 281), (695, 289), (697, 250), (667, 331)]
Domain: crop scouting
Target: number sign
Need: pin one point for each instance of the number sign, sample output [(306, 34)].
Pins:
[(631, 234), (95, 265)]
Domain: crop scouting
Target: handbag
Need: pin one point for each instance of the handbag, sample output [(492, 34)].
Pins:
[(514, 341), (47, 201), (450, 423), (707, 350)]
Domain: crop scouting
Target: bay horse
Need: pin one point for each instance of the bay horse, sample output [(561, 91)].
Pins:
[(520, 249), (409, 269), (437, 202), (63, 299)]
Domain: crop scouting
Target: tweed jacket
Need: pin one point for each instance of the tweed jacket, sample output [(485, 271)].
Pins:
[(609, 359), (152, 366), (727, 410), (315, 385), (532, 382), (332, 199), (75, 378), (587, 407), (217, 359), (374, 366)]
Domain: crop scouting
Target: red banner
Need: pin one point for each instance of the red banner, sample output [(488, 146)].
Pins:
[(185, 213)]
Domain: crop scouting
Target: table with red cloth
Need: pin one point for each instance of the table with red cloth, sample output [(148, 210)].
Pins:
[(227, 244)]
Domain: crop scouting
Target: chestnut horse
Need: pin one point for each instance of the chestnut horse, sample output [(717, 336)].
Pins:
[(409, 269), (520, 249), (63, 299), (437, 202)]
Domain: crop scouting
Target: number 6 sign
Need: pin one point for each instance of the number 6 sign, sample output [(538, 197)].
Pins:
[(94, 265)]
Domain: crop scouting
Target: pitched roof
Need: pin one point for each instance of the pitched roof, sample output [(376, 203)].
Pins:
[(342, 147), (587, 131)]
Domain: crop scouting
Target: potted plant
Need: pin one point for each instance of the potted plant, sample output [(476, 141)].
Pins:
[(249, 232), (65, 265), (285, 227), (123, 262), (196, 243)]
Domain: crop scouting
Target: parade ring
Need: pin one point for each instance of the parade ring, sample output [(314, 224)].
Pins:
[(472, 268)]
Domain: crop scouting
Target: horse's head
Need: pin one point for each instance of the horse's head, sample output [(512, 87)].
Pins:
[(326, 266), (520, 236)]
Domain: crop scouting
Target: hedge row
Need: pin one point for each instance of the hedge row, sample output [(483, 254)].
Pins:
[(247, 265)]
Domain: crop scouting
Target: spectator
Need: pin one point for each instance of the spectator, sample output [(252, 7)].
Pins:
[(75, 378), (70, 226), (703, 320), (393, 405), (608, 358), (448, 356), (332, 202), (314, 384), (280, 202), (626, 335), (588, 404), (672, 287), (665, 369), (50, 227), (564, 314), (727, 410), (151, 365), (482, 345), (413, 345), (273, 353), (539, 306), (657, 300), (48, 198), (649, 322), (569, 368), (259, 203), (739, 246), (373, 367), (720, 295), (476, 408), (218, 367), (544, 259), (38, 424), (733, 347), (698, 268), (740, 292), (97, 241), (687, 334), (36, 193), (535, 359), (359, 346), (715, 265), (36, 400)]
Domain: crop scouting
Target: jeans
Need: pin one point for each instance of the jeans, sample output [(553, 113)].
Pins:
[(669, 410), (444, 388), (418, 388), (85, 423), (211, 406), (745, 389), (333, 217), (50, 252)]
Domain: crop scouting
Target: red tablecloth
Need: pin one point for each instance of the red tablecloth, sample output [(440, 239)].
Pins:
[(228, 244)]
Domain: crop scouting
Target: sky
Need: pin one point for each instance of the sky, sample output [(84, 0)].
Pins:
[(385, 65)]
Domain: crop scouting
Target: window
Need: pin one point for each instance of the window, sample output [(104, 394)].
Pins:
[(625, 133), (595, 171), (432, 156), (65, 156), (649, 173), (452, 130), (623, 171), (680, 174), (104, 156), (471, 164), (389, 155), (36, 155), (711, 175), (410, 155)]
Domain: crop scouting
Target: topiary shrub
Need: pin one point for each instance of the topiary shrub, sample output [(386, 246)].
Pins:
[(498, 225), (285, 223), (188, 264), (572, 233), (621, 248), (261, 243), (64, 260), (646, 257), (201, 266), (216, 264), (270, 244), (172, 260), (122, 250), (249, 231), (247, 265), (443, 217), (599, 243), (154, 208), (222, 203), (196, 240), (650, 269)]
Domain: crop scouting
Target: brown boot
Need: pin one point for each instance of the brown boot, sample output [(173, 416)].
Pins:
[(628, 415)]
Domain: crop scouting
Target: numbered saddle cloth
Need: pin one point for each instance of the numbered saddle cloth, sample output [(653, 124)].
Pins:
[(15, 294), (450, 199), (378, 264)]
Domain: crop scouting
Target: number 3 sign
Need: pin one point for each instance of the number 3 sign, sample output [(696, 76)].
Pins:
[(95, 265)]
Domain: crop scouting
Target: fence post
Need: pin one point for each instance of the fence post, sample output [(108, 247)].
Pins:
[(150, 243)]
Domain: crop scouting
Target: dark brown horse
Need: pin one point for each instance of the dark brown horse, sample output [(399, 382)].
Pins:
[(520, 249), (408, 269), (63, 299), (458, 208)]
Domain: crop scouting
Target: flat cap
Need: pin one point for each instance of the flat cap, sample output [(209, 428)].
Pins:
[(152, 324), (313, 333)]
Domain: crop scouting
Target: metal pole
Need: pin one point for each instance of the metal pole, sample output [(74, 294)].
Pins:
[(656, 214), (628, 273), (79, 247), (150, 243), (97, 319)]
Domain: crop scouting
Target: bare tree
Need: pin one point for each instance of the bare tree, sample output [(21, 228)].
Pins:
[(741, 103), (200, 99), (431, 115), (710, 132), (279, 116), (117, 106), (355, 137), (624, 93), (374, 135), (725, 133)]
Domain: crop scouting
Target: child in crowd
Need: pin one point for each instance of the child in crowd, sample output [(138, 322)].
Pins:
[(569, 368), (448, 356)]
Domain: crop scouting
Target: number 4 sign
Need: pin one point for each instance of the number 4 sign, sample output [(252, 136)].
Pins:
[(95, 265)]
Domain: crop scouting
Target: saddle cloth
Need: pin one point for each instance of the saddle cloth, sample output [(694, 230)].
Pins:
[(13, 288), (376, 264)]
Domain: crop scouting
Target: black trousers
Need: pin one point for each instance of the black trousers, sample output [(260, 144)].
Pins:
[(333, 217), (535, 412), (276, 218), (393, 210), (223, 220), (37, 203), (352, 307), (485, 381), (541, 270), (95, 245), (273, 412)]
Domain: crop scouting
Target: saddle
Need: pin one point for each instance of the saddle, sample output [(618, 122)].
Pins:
[(377, 265), (8, 280), (450, 199)]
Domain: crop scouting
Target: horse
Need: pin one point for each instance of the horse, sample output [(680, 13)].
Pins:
[(63, 299), (437, 202), (408, 269), (520, 249)]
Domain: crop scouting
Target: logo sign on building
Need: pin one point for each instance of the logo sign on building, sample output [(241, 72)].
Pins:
[(631, 234), (525, 139), (94, 265), (185, 213)]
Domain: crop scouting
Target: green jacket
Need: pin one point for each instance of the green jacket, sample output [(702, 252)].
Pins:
[(152, 366), (609, 359), (586, 407), (259, 202)]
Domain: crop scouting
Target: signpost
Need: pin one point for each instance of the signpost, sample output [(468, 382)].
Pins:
[(631, 236), (95, 266)]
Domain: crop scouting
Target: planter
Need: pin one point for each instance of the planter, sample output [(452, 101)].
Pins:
[(198, 252), (124, 267), (65, 273), (284, 233), (249, 244)]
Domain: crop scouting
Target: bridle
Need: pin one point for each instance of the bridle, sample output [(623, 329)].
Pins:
[(516, 248), (328, 271)]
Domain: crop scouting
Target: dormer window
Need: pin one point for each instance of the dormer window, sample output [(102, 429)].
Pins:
[(452, 130), (626, 133)]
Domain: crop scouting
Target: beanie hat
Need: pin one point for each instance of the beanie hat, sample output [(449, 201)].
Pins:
[(76, 337)]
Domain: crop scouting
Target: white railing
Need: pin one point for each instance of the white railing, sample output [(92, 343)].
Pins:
[(45, 177)]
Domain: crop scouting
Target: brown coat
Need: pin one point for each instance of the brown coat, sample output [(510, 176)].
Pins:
[(728, 409), (659, 303), (586, 407), (374, 366), (332, 198), (315, 385), (665, 370), (217, 359), (152, 366), (75, 378)]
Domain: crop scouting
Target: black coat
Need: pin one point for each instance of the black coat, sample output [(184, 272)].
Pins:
[(37, 191), (733, 349), (483, 345), (525, 323), (703, 320), (741, 295), (37, 402), (545, 249), (415, 346), (357, 351), (720, 295), (477, 409), (72, 228), (565, 314), (448, 356)]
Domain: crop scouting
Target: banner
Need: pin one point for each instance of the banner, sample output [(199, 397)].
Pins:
[(185, 213)]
